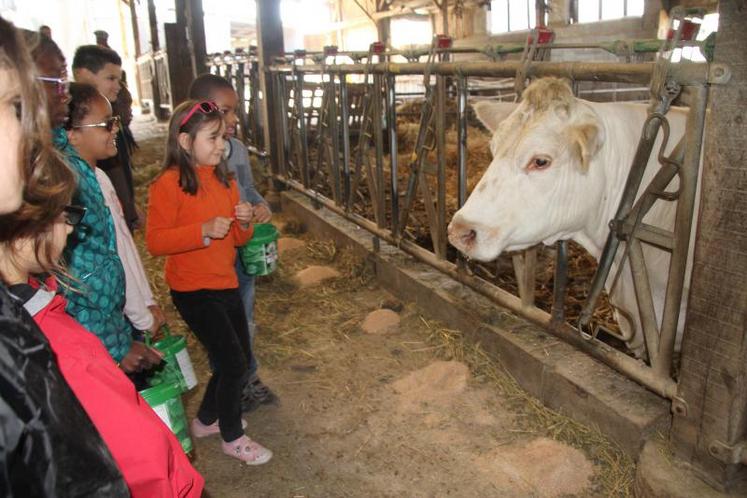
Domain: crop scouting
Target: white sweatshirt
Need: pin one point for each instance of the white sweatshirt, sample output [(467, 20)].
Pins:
[(138, 295)]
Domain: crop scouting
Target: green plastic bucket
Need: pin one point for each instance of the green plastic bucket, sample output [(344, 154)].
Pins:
[(178, 366), (165, 399), (260, 255)]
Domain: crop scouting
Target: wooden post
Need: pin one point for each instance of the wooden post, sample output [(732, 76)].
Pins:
[(196, 29), (270, 41), (709, 431)]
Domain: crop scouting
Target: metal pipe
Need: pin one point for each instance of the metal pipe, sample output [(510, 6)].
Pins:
[(645, 300), (303, 139), (440, 227), (688, 174), (391, 106), (560, 283), (335, 139), (379, 148), (684, 74), (635, 369), (462, 90), (345, 115)]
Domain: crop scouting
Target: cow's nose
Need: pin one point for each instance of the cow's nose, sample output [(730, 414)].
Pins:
[(461, 235)]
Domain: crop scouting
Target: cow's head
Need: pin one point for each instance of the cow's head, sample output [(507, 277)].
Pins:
[(539, 186)]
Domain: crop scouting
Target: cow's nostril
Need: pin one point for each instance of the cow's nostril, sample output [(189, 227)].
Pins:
[(469, 237)]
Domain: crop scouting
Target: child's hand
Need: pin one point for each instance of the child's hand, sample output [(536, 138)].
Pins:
[(217, 228), (158, 319), (244, 212), (140, 357), (262, 213)]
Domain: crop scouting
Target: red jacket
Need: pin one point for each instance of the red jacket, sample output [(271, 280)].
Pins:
[(146, 451)]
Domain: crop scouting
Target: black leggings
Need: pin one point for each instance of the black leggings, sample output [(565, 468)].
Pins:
[(217, 319)]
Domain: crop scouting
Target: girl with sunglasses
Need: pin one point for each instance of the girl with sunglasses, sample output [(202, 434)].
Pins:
[(145, 450), (196, 220), (97, 290)]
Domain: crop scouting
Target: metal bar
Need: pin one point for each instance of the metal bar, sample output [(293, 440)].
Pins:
[(688, 174), (335, 139), (684, 74), (345, 115), (620, 361), (645, 300), (440, 228), (282, 119), (391, 105), (379, 147), (274, 86), (560, 283), (303, 139), (462, 90), (239, 85), (663, 239)]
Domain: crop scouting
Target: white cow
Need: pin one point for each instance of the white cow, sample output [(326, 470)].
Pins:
[(558, 170)]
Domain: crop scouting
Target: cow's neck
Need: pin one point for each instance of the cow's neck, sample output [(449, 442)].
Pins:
[(610, 167)]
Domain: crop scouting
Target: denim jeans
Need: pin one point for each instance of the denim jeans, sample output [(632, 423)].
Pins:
[(246, 290)]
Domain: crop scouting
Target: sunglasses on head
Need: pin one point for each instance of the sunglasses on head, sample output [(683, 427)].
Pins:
[(205, 107), (62, 85), (109, 124), (73, 214)]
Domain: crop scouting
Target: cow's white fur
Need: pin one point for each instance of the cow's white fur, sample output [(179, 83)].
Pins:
[(592, 147)]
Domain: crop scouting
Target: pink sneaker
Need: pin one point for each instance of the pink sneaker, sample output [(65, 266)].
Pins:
[(247, 451), (201, 430)]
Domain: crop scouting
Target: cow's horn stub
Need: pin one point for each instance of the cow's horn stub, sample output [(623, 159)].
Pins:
[(548, 93)]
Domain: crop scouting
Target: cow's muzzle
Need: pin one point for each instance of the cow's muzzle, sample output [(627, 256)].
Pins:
[(461, 235)]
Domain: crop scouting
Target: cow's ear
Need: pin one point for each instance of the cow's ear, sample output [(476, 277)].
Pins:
[(491, 113), (586, 140)]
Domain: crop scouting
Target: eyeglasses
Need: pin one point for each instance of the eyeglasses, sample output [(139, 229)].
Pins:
[(73, 214), (62, 85), (205, 107), (109, 124)]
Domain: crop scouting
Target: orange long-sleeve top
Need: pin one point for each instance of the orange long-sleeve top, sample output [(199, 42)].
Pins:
[(174, 229)]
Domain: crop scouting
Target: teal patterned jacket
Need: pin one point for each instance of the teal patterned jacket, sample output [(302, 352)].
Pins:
[(91, 256)]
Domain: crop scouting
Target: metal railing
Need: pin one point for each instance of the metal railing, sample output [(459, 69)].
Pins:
[(345, 157)]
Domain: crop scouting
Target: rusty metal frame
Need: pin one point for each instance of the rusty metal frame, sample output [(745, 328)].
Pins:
[(380, 109)]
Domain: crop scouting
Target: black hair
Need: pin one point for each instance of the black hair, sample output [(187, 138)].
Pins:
[(81, 97), (41, 45), (204, 85), (94, 58)]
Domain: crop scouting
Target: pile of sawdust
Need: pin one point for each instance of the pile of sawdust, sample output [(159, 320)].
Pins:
[(314, 275), (542, 467), (381, 322), (437, 383)]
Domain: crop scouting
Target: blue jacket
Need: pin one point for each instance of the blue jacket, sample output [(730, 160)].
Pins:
[(98, 289)]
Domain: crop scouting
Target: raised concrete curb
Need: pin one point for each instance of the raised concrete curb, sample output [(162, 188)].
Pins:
[(660, 475), (563, 378)]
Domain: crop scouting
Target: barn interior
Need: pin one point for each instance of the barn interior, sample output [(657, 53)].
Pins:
[(404, 366)]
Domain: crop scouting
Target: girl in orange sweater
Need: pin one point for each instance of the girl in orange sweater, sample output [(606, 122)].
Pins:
[(195, 219)]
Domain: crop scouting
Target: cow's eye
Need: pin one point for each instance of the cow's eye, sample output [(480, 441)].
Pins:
[(539, 162)]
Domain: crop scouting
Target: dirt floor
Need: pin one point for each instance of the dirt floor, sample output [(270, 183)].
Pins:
[(410, 410)]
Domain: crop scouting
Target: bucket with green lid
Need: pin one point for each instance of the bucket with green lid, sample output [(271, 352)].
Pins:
[(177, 366), (165, 400), (260, 255)]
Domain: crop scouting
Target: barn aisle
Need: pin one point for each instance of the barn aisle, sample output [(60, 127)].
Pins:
[(392, 404)]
